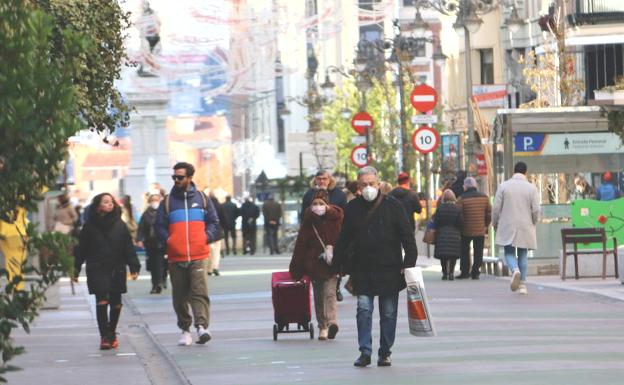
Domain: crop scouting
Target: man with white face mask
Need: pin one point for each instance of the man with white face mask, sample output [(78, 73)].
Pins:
[(374, 232)]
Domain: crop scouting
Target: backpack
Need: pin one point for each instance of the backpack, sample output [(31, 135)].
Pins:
[(607, 192), (205, 207)]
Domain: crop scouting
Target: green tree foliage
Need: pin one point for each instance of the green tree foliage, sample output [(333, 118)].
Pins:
[(38, 101), (381, 103), (99, 104), (382, 138)]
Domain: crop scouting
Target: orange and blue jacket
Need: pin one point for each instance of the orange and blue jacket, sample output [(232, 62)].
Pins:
[(188, 226)]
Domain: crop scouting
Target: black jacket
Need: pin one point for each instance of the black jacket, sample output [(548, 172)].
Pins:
[(249, 213), (376, 259), (146, 232), (448, 223), (409, 200), (106, 246), (231, 212)]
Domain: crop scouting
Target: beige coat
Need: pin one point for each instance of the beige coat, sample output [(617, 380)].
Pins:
[(516, 212)]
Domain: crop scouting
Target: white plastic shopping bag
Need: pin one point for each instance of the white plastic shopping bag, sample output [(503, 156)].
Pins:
[(419, 317)]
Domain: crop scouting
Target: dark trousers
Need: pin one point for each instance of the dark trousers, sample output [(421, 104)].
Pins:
[(107, 311), (230, 233), (448, 266), (271, 237), (249, 240), (477, 250), (157, 266)]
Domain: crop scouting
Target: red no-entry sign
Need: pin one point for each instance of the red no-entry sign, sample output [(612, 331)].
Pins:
[(424, 98), (361, 122)]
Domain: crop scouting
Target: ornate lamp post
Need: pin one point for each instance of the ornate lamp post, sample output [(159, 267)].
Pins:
[(370, 62), (468, 21)]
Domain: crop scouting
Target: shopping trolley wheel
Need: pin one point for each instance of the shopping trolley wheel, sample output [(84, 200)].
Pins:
[(274, 332), (311, 327)]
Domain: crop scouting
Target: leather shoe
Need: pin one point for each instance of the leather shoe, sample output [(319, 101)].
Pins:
[(362, 361), (384, 361), (463, 276)]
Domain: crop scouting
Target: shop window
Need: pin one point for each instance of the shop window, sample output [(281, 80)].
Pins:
[(487, 65)]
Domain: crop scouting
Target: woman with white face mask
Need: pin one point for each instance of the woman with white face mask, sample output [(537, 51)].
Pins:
[(154, 250), (313, 257)]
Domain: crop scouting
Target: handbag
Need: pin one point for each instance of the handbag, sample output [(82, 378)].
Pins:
[(328, 253), (430, 234)]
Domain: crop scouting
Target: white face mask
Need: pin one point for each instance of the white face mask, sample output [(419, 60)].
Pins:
[(319, 210), (369, 193), (155, 205)]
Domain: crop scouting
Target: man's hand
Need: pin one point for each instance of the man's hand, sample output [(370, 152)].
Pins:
[(75, 279), (140, 245), (134, 276)]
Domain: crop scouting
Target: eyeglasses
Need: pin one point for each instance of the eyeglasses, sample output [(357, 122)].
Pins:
[(178, 177)]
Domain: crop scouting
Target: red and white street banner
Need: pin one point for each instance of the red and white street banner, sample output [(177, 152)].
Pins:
[(424, 98), (362, 122), (489, 95)]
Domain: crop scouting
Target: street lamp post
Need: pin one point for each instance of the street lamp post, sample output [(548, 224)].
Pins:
[(370, 62), (468, 21)]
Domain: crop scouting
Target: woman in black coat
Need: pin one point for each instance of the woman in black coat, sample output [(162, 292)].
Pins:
[(448, 223), (154, 249), (105, 244)]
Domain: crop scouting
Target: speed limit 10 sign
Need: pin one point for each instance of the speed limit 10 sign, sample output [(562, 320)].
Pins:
[(359, 156), (425, 139)]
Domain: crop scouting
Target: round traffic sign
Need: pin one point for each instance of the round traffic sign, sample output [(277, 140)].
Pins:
[(359, 156), (361, 122), (424, 98), (425, 139)]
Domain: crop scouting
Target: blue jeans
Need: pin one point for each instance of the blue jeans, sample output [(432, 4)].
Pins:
[(520, 263), (388, 305)]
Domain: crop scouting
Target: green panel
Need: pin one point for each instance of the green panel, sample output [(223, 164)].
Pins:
[(607, 214)]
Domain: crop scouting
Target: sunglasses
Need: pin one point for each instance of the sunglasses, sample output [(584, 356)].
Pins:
[(178, 177)]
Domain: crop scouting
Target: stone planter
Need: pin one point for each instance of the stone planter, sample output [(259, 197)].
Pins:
[(617, 97)]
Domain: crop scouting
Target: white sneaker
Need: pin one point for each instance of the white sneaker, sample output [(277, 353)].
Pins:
[(515, 280), (522, 289), (203, 335), (185, 339)]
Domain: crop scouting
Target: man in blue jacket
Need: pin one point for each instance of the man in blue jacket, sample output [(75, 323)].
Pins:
[(186, 222), (607, 190)]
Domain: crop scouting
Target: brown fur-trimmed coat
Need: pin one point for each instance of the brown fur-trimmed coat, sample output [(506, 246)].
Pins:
[(305, 259)]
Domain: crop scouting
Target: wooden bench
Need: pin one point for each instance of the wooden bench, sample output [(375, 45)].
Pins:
[(494, 266), (586, 236)]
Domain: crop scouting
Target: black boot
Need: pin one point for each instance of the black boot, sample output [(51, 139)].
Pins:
[(362, 361)]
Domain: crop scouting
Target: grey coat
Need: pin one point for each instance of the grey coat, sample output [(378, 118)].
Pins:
[(516, 212)]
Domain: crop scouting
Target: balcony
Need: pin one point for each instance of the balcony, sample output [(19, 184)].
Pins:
[(588, 12)]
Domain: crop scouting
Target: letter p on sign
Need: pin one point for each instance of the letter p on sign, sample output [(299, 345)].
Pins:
[(528, 143)]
